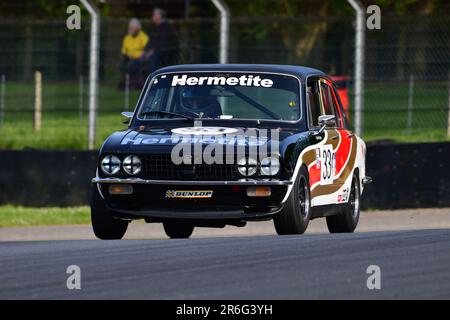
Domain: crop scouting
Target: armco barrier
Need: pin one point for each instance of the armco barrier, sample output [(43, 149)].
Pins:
[(404, 176), (408, 175), (46, 178)]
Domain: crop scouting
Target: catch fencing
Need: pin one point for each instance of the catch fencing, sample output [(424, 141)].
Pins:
[(407, 71)]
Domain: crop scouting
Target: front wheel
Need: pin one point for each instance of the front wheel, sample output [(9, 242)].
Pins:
[(178, 229), (105, 226), (294, 218), (348, 219)]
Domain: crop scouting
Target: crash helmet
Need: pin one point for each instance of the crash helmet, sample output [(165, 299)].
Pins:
[(197, 97)]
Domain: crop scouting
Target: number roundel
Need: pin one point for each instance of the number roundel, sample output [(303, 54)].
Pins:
[(327, 164)]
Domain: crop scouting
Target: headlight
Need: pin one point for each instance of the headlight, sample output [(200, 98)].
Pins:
[(270, 166), (132, 165), (247, 166), (110, 165)]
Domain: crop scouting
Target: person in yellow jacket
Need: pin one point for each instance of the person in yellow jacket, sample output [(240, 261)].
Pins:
[(133, 45)]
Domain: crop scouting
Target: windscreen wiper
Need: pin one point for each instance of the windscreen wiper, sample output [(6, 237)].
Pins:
[(146, 113)]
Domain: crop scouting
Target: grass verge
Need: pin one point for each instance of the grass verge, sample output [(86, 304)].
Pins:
[(16, 216)]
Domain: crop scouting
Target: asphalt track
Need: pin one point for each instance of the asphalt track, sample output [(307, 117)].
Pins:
[(414, 264)]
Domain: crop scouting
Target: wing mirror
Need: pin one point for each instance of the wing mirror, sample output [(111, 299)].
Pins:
[(127, 117), (327, 120)]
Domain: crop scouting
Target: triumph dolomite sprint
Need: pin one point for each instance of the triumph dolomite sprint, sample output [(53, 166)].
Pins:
[(217, 145)]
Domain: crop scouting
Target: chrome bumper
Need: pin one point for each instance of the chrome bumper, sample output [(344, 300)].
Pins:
[(183, 182)]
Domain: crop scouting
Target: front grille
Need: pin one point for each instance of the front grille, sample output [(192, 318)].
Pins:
[(161, 167)]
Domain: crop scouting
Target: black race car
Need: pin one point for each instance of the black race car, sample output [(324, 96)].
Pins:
[(216, 145)]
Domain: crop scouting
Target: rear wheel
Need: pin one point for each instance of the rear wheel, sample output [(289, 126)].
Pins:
[(178, 229), (105, 226), (294, 218), (348, 219)]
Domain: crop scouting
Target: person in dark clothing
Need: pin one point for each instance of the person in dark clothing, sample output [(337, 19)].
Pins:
[(162, 49)]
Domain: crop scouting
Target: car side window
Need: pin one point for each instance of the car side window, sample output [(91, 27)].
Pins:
[(313, 102), (329, 103), (327, 100), (343, 121)]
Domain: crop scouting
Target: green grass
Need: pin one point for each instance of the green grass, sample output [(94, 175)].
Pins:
[(64, 128), (13, 216), (386, 112)]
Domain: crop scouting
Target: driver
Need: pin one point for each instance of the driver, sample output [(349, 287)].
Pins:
[(199, 100)]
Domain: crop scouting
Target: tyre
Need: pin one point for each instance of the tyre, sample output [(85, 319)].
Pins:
[(294, 217), (348, 219), (105, 226), (178, 229)]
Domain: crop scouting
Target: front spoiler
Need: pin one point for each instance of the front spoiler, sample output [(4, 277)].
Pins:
[(217, 214), (245, 182)]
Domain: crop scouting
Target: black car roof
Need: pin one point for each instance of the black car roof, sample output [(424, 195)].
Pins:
[(300, 72)]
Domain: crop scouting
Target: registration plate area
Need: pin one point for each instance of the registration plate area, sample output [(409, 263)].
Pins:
[(173, 195)]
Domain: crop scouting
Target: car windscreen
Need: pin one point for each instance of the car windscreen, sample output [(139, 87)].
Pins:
[(222, 95)]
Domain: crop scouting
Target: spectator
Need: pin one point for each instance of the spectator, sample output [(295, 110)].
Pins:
[(162, 50), (133, 46)]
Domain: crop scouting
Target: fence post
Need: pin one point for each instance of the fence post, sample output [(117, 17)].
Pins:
[(410, 102), (224, 29), (359, 65), (37, 100), (81, 98), (2, 99), (93, 69), (127, 92), (448, 114), (186, 9)]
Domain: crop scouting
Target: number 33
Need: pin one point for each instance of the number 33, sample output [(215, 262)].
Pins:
[(328, 160)]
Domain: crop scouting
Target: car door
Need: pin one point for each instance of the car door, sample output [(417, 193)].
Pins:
[(328, 152), (321, 170), (339, 160)]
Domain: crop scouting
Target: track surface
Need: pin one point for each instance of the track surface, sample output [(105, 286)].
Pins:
[(414, 264)]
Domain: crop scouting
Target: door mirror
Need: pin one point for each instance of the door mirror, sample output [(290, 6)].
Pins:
[(127, 116), (327, 120)]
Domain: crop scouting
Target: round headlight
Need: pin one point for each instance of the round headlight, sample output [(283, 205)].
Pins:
[(132, 165), (270, 166), (110, 165), (247, 166)]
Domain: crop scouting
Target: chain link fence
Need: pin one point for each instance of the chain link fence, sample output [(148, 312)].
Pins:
[(406, 80)]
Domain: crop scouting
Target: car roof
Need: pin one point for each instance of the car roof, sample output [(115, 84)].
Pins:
[(299, 71)]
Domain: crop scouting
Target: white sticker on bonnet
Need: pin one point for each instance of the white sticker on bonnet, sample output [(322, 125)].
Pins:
[(208, 131)]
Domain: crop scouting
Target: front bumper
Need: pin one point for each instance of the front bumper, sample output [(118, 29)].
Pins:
[(229, 200), (243, 182)]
